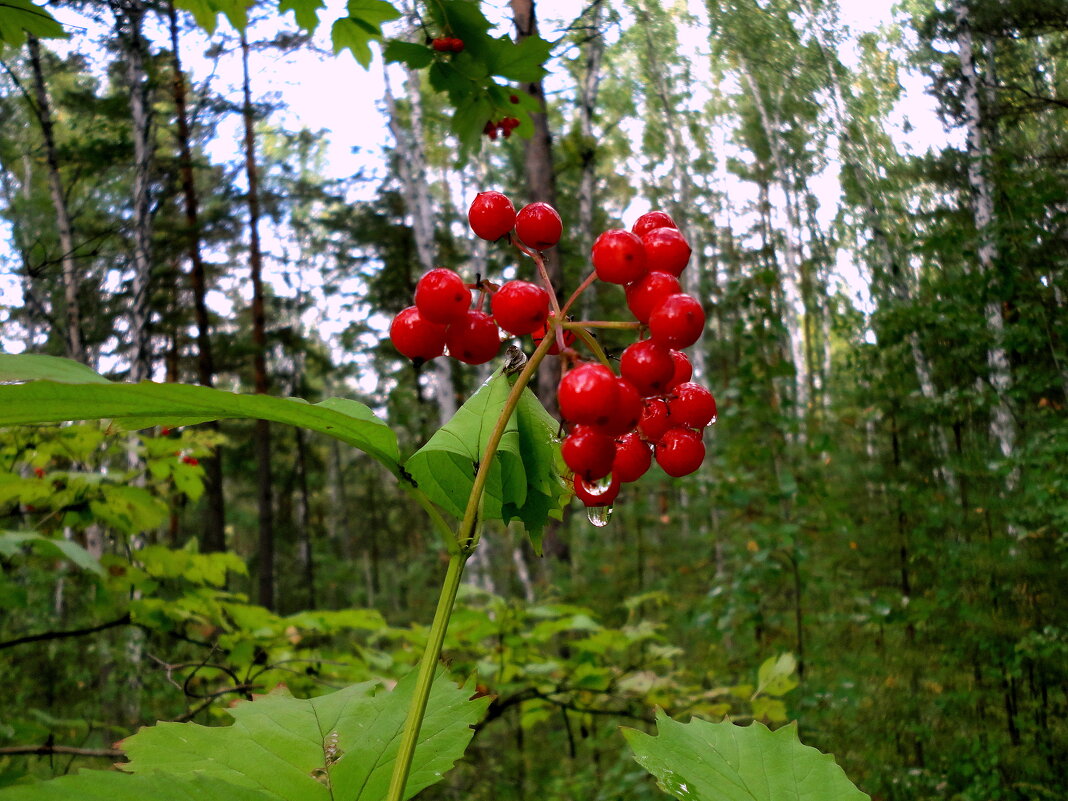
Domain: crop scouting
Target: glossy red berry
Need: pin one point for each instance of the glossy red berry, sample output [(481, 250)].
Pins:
[(442, 297), (416, 337), (456, 45), (633, 458), (599, 493), (492, 214), (474, 339), (680, 451), (442, 45), (650, 291), (654, 421), (677, 322), (588, 453), (648, 365), (587, 394), (624, 415), (520, 307), (683, 368), (666, 250), (538, 225), (691, 406), (192, 461), (618, 257), (654, 219)]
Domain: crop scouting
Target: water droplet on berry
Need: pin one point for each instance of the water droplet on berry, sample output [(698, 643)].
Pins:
[(598, 488), (599, 515)]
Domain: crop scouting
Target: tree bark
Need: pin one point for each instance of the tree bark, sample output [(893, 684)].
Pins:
[(214, 537), (262, 435), (43, 109)]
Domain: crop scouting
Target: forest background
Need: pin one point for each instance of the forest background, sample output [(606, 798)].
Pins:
[(882, 513)]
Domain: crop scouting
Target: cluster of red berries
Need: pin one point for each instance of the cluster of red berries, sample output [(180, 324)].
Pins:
[(504, 126), (447, 44), (442, 317), (617, 425)]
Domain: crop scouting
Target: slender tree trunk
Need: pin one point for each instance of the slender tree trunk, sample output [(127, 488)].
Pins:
[(73, 332), (129, 21), (214, 537), (307, 552), (1002, 429), (262, 435), (588, 88)]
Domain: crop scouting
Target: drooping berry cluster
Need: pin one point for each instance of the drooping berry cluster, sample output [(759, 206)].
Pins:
[(617, 425), (503, 126), (447, 44)]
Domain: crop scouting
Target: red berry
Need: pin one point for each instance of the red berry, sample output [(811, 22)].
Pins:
[(416, 337), (623, 416), (508, 123), (491, 215), (654, 219), (192, 461), (588, 453), (474, 339), (165, 431), (442, 45), (442, 297), (649, 291), (633, 457), (678, 321), (655, 420), (600, 493), (618, 257), (513, 99), (647, 365), (39, 472), (554, 349), (538, 225), (691, 406), (587, 394), (667, 250), (456, 45), (520, 307), (680, 451), (490, 130), (683, 368)]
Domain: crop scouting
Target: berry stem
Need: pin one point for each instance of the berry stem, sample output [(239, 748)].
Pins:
[(591, 343), (618, 325), (581, 288), (544, 275)]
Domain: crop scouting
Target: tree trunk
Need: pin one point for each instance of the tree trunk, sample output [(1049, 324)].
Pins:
[(1002, 429), (43, 109), (262, 435), (214, 538), (129, 21), (588, 88)]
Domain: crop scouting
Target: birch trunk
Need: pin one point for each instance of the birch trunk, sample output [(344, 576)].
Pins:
[(1002, 429), (43, 109)]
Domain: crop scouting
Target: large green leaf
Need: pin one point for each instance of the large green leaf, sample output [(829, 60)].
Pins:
[(13, 541), (363, 24), (702, 761), (83, 397), (280, 748), (445, 467), (21, 17)]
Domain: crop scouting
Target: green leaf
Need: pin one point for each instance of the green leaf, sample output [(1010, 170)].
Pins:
[(281, 748), (363, 24), (33, 367), (775, 676), (147, 404), (702, 761), (306, 12), (445, 467), (416, 56), (521, 62), (12, 541), (21, 17), (206, 12)]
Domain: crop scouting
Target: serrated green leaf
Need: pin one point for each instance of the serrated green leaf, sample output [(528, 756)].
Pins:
[(12, 541), (21, 17), (445, 467), (337, 745), (306, 12), (206, 12), (521, 62), (702, 761), (776, 675), (413, 55), (363, 24), (99, 785), (147, 404)]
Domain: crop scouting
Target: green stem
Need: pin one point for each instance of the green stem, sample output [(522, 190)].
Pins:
[(460, 548), (427, 666), (592, 344), (581, 288)]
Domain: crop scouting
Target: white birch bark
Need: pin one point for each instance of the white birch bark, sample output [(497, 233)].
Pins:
[(1002, 430)]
